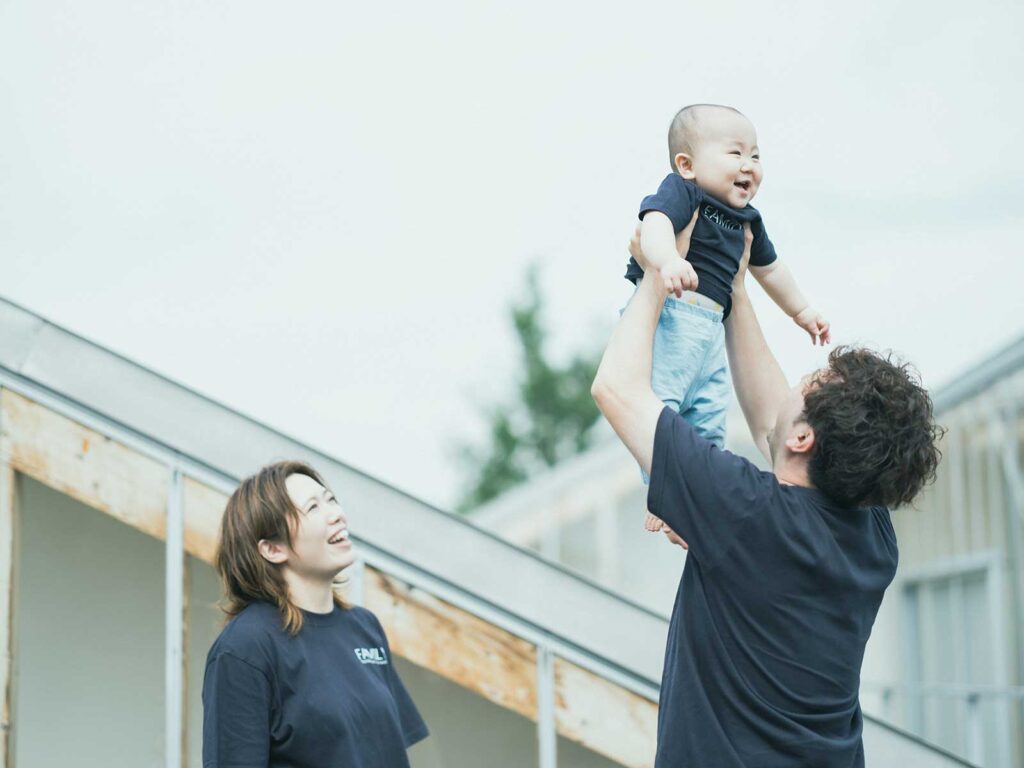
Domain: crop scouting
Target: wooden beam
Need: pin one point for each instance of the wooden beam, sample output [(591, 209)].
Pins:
[(604, 717), (204, 508), (85, 465), (490, 662), (8, 559)]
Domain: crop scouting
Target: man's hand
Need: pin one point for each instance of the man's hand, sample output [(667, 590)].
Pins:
[(817, 327), (741, 273)]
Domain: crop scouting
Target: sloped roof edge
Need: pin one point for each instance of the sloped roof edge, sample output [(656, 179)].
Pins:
[(451, 549), (976, 378)]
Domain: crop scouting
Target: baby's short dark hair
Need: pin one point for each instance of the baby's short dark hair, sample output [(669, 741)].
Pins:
[(684, 131)]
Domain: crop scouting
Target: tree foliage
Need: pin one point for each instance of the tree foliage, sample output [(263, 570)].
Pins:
[(550, 417)]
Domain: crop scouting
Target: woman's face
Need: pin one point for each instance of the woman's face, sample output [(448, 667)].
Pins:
[(320, 547)]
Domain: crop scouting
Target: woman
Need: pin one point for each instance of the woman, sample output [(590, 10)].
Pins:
[(298, 677)]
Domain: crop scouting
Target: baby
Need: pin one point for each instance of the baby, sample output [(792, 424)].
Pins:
[(716, 173)]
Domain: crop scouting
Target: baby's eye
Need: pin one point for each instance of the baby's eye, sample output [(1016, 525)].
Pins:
[(735, 152)]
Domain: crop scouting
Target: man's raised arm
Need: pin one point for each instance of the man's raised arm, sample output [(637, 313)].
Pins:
[(757, 378), (622, 387)]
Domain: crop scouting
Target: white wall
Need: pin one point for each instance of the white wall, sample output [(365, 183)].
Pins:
[(89, 635), (468, 731)]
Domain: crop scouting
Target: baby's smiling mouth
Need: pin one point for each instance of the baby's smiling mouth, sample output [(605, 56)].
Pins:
[(744, 185)]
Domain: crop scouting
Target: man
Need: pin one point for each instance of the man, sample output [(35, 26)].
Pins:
[(786, 569)]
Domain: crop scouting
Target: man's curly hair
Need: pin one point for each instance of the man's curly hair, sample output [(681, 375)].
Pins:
[(874, 431)]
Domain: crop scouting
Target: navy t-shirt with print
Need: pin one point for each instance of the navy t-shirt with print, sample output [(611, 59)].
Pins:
[(328, 696), (716, 245), (775, 606)]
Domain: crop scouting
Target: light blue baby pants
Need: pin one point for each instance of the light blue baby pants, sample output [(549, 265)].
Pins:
[(689, 372)]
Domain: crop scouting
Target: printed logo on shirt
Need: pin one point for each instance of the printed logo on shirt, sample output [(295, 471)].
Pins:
[(371, 655), (715, 215)]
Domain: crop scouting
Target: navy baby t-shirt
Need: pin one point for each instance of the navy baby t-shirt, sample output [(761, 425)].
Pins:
[(716, 245), (774, 609), (328, 696)]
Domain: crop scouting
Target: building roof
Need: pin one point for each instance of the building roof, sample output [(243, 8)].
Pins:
[(512, 581), (979, 377), (502, 579)]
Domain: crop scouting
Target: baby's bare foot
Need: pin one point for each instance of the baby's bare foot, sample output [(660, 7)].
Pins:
[(652, 523)]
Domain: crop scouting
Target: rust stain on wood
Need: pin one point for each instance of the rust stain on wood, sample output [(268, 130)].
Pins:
[(455, 644)]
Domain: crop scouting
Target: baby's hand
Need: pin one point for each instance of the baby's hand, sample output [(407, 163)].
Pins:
[(679, 276), (817, 327)]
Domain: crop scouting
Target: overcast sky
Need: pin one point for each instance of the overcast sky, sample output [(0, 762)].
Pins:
[(318, 213)]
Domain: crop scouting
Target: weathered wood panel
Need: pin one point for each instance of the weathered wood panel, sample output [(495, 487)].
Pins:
[(455, 644), (604, 717), (204, 507), (85, 465)]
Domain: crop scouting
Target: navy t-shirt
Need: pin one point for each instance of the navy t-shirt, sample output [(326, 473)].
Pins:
[(328, 696), (716, 245), (775, 606)]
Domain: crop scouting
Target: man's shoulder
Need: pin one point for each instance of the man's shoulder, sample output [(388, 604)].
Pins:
[(683, 435)]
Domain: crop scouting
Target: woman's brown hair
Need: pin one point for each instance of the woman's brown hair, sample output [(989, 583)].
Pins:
[(260, 508)]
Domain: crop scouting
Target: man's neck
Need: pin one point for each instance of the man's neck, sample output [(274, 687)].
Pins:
[(792, 471)]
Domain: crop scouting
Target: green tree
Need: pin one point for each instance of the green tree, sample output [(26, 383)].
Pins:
[(551, 417)]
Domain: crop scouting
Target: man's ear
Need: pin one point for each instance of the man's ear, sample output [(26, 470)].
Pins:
[(684, 164), (273, 551), (802, 440)]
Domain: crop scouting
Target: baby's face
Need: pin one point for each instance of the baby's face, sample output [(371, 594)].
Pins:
[(726, 162)]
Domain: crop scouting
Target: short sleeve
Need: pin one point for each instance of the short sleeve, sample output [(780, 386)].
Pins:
[(677, 198), (412, 725), (703, 493), (236, 714), (762, 252)]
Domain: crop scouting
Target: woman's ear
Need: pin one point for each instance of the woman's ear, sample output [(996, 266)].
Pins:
[(272, 551)]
